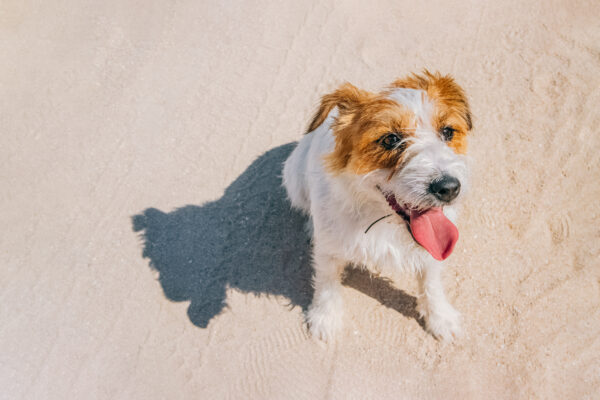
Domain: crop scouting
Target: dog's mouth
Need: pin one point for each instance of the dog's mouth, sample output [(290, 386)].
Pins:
[(430, 228)]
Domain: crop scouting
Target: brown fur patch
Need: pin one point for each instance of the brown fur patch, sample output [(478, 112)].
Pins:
[(359, 129), (451, 105), (365, 118), (345, 97)]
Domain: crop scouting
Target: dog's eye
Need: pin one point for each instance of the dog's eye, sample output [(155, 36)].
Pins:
[(390, 141), (448, 133)]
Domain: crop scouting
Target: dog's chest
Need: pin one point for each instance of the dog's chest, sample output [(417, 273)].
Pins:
[(386, 244)]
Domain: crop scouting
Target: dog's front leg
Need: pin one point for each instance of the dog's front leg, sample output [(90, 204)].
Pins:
[(326, 311), (441, 319)]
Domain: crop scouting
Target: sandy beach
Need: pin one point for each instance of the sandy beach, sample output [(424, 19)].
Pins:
[(148, 250)]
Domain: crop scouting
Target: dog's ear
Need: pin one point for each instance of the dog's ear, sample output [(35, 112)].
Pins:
[(442, 88), (345, 98), (445, 88)]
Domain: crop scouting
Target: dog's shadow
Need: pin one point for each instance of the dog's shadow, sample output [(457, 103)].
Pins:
[(249, 240)]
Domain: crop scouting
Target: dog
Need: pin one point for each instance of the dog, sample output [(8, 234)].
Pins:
[(380, 175)]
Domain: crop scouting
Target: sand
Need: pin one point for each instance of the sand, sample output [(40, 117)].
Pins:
[(147, 251)]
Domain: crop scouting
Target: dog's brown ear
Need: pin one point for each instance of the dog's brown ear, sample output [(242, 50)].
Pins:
[(445, 88), (442, 88), (345, 98)]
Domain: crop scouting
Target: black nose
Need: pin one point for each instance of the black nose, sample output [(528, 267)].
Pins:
[(445, 188)]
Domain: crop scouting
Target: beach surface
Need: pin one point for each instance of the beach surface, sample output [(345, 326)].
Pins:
[(147, 248)]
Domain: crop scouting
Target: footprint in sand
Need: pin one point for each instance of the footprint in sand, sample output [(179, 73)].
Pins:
[(560, 227)]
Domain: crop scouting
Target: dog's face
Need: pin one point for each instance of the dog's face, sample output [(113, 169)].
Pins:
[(407, 142)]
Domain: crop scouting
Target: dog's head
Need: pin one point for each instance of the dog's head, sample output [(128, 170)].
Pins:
[(408, 143)]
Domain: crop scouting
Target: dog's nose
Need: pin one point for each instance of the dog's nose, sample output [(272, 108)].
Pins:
[(445, 188)]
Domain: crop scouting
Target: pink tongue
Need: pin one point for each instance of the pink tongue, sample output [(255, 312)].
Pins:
[(434, 232)]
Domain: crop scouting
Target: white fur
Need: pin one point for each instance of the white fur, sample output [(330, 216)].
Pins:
[(343, 206), (415, 100)]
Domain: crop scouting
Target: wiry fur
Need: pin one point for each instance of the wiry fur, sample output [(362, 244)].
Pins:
[(337, 174)]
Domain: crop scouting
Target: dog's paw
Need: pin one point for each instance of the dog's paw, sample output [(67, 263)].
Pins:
[(444, 323), (324, 324)]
